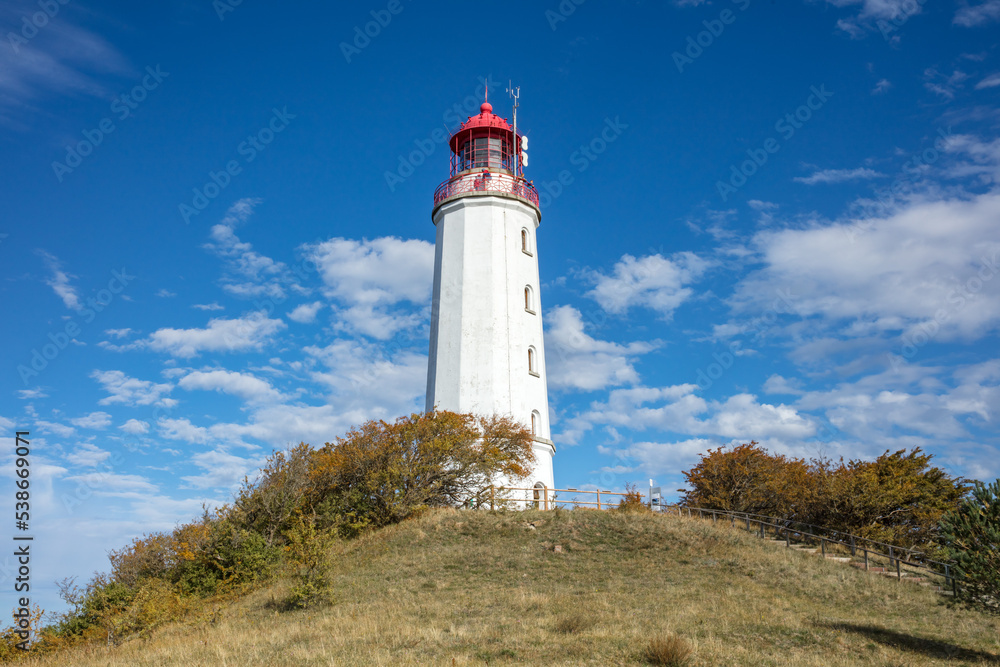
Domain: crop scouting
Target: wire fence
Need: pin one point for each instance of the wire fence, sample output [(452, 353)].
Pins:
[(879, 556), (871, 555)]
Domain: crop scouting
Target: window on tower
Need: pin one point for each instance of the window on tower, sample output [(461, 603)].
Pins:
[(484, 153), (532, 361), (536, 422), (529, 302), (525, 247)]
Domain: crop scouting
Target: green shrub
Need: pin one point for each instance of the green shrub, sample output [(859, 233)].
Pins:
[(308, 553)]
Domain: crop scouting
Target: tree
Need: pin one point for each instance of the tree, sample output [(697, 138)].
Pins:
[(748, 479), (898, 498), (381, 473), (971, 535)]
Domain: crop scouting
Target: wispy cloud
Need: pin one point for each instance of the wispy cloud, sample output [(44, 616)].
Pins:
[(59, 59), (991, 81), (59, 281), (837, 176), (972, 15)]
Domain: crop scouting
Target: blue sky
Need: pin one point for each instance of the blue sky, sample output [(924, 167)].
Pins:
[(765, 221)]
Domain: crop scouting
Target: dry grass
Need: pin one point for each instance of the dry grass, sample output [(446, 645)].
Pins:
[(669, 651), (478, 588)]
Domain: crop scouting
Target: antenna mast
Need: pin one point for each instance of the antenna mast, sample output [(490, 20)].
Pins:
[(515, 92)]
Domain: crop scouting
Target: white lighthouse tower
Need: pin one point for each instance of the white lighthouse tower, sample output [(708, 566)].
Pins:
[(486, 351)]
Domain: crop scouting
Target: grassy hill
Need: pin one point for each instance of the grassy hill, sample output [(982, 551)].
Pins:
[(578, 588)]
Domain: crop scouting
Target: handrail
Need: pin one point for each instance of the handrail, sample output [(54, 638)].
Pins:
[(546, 498), (486, 184), (896, 555)]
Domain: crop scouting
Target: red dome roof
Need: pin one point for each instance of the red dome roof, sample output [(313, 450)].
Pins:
[(486, 118)]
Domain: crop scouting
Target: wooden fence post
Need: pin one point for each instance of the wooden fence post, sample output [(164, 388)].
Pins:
[(866, 560), (492, 505), (598, 499)]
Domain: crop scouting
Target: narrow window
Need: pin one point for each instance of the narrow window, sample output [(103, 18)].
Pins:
[(528, 305), (524, 242), (534, 422), (531, 361)]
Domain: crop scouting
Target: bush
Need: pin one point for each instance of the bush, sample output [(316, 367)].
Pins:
[(632, 500), (308, 552), (382, 473), (899, 498), (972, 539), (749, 479)]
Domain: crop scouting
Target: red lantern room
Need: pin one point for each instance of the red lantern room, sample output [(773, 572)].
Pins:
[(486, 161)]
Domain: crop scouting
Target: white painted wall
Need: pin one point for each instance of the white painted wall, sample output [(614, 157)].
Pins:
[(480, 330)]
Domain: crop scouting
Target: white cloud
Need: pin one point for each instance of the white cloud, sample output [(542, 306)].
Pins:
[(306, 313), (165, 293), (983, 157), (248, 274), (653, 282), (663, 458), (991, 81), (575, 360), (114, 484), (882, 86), (222, 470), (369, 277), (970, 15), (366, 382), (208, 306), (182, 429), (54, 428), (87, 455), (135, 427), (95, 420), (676, 409), (129, 391), (250, 332), (837, 176), (118, 333), (60, 60), (59, 281), (244, 385), (944, 85), (929, 266), (30, 394)]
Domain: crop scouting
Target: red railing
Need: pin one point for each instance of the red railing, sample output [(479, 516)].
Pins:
[(486, 184)]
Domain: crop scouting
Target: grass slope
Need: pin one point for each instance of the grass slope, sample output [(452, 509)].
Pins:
[(475, 588)]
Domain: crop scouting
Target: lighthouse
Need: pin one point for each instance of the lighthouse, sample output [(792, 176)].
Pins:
[(487, 353)]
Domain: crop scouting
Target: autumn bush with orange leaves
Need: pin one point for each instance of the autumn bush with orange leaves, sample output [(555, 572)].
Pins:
[(377, 474), (899, 498)]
